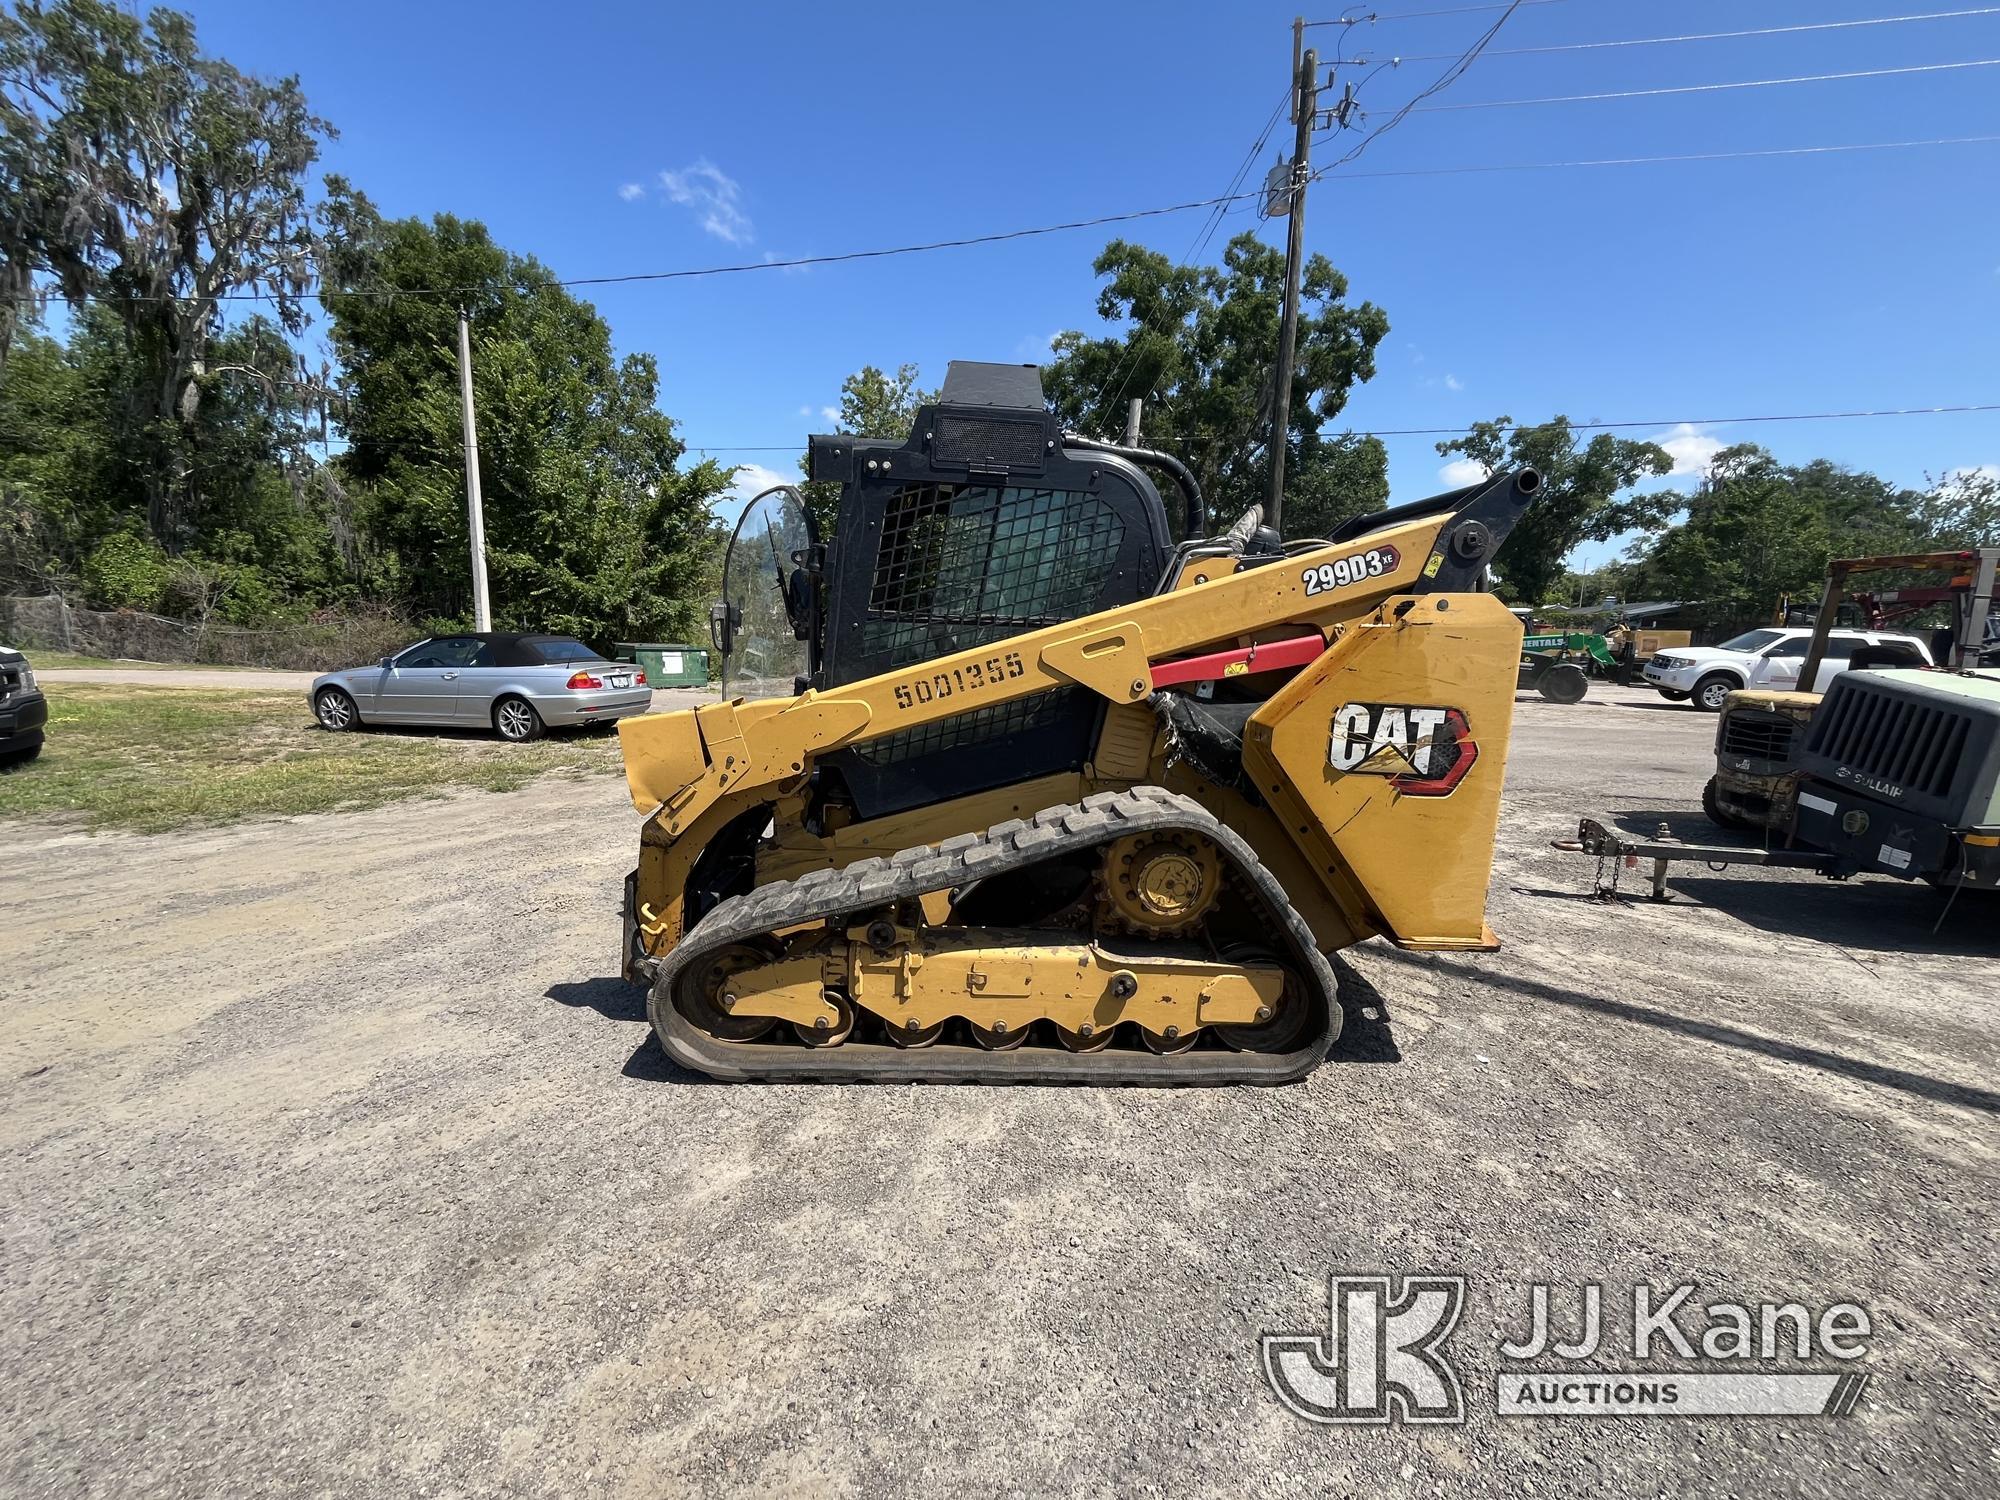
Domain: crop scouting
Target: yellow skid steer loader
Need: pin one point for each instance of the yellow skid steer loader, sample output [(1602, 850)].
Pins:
[(1008, 785)]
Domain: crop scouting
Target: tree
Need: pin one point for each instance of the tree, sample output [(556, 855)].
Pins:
[(138, 172), (1960, 510), (1199, 345), (1576, 503), (872, 404), (590, 526), (73, 471)]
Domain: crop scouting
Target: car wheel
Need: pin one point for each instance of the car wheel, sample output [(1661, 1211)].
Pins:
[(336, 711), (1711, 803), (1563, 683), (1712, 689), (515, 719), (1673, 695), (18, 758)]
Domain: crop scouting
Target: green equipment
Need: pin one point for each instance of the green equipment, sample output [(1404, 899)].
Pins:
[(1560, 666)]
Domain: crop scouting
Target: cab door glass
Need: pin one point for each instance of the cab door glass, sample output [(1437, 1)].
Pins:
[(763, 656)]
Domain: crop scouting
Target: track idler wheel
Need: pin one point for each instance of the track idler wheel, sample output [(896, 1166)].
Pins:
[(1086, 1038), (833, 1032), (702, 994), (1281, 1030), (998, 1038), (1170, 1043), (904, 1036)]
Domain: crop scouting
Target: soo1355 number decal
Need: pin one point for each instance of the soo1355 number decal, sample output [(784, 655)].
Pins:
[(970, 678), (1343, 571)]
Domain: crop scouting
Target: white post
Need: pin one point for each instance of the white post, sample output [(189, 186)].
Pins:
[(475, 514), (1132, 422)]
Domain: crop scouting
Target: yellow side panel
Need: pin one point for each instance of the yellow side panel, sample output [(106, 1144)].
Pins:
[(1347, 750), (662, 755)]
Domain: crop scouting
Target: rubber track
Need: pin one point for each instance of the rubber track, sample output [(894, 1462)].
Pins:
[(873, 883)]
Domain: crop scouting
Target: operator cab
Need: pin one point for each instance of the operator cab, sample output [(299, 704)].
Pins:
[(982, 524)]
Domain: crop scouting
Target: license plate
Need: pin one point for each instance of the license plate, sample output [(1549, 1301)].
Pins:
[(621, 680)]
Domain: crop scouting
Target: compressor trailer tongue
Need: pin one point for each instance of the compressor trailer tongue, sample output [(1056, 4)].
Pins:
[(1025, 790)]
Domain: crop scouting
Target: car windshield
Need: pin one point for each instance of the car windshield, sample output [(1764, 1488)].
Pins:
[(1751, 640), (555, 649)]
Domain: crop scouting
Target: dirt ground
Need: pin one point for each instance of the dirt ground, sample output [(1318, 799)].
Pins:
[(335, 1163)]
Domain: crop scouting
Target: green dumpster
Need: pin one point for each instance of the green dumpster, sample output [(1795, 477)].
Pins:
[(668, 664)]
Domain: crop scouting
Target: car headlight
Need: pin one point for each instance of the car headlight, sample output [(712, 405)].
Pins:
[(27, 678)]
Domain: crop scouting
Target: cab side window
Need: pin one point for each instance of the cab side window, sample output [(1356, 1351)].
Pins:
[(1789, 648)]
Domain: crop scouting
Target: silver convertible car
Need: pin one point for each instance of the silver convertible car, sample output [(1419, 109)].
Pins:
[(515, 685)]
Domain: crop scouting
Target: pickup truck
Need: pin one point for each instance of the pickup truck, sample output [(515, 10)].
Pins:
[(23, 710)]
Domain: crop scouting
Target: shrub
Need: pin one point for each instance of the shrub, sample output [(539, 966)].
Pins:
[(127, 571)]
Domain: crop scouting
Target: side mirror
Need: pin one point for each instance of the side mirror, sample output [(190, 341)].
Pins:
[(385, 661)]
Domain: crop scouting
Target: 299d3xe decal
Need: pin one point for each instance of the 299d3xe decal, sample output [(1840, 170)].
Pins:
[(1425, 751), (1343, 571)]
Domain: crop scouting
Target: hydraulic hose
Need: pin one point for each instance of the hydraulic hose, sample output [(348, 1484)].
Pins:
[(1197, 509)]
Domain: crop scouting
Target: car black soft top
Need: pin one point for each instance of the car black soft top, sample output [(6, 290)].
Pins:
[(526, 650)]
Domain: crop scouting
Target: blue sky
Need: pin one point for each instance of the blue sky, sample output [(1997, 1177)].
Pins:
[(608, 138)]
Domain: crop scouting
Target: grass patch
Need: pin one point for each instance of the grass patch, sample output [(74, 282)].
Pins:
[(149, 759), (55, 660)]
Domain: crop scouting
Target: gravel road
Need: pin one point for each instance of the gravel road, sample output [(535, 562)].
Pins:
[(334, 1164)]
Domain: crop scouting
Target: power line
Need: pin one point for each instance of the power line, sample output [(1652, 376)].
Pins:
[(794, 262), (1091, 223), (1685, 156), (1210, 225), (1804, 416), (1444, 80), (1719, 36), (1380, 432), (1412, 15), (1706, 88)]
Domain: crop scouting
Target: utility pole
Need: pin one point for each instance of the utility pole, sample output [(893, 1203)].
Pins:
[(1132, 422), (1305, 110), (475, 512)]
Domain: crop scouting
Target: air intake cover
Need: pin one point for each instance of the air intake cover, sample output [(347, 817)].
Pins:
[(1925, 741)]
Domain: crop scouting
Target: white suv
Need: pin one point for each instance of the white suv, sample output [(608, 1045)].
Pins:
[(1770, 659)]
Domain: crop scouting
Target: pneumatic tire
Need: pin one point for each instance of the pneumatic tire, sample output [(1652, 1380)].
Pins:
[(1711, 803), (515, 720), (1563, 683), (1712, 690), (336, 711)]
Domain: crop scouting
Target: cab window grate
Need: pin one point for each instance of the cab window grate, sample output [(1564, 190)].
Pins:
[(960, 560)]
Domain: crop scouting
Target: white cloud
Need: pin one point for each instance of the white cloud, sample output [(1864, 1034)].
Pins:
[(631, 192), (831, 413), (1460, 472), (1453, 383), (1037, 346), (715, 199), (1690, 448), (749, 480), (805, 411)]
